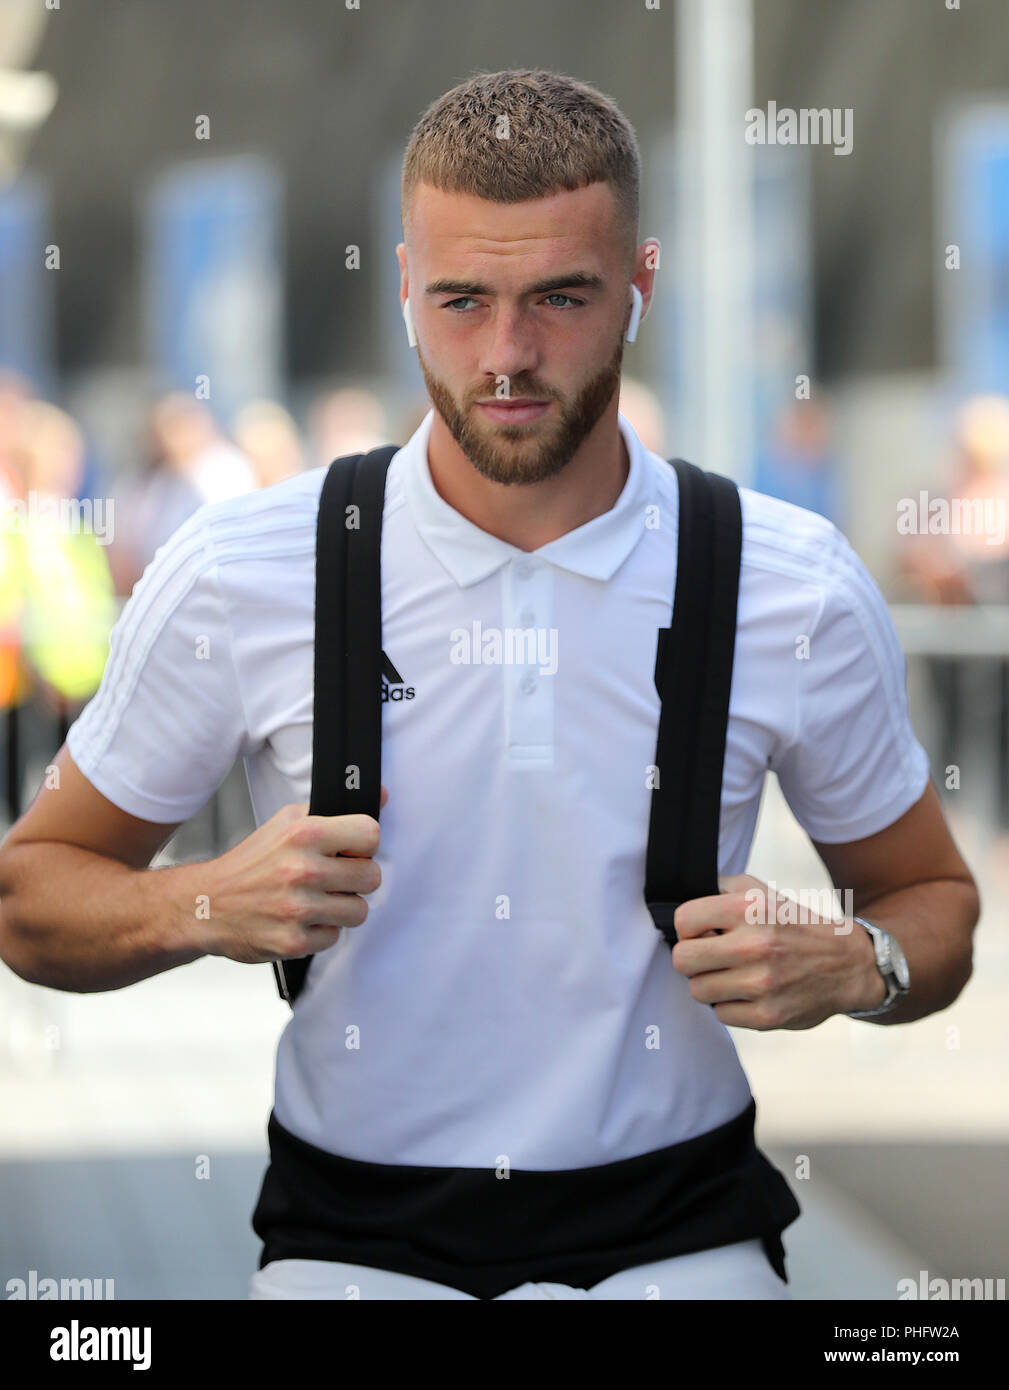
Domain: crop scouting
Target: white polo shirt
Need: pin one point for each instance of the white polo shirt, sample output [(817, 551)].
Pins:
[(508, 992)]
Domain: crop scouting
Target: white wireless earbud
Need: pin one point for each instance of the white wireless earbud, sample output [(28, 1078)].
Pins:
[(411, 336), (635, 315)]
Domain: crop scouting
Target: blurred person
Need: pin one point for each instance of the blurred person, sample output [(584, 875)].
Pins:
[(53, 451), (187, 462), (969, 564), (797, 463), (268, 437), (532, 1043), (350, 420), (13, 685), (15, 394), (69, 599), (195, 446), (151, 504)]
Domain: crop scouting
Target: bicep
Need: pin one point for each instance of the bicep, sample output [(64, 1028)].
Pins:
[(916, 848), (68, 809)]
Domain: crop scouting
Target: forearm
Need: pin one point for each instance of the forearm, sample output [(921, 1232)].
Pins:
[(75, 920), (933, 922)]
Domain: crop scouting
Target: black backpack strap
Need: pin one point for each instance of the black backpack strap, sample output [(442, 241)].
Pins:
[(347, 713), (694, 674)]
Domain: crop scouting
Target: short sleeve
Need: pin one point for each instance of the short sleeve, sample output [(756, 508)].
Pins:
[(166, 724), (854, 765)]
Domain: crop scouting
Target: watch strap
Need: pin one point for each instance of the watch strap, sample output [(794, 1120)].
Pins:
[(884, 964)]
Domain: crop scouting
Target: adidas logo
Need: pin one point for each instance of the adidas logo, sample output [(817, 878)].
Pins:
[(393, 687)]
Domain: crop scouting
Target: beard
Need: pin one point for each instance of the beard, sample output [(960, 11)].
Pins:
[(526, 453)]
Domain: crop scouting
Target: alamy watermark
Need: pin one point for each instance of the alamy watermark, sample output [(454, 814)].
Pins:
[(68, 515), (820, 906), (938, 1290), (809, 125), (46, 1287), (953, 516), (510, 646), (77, 1343)]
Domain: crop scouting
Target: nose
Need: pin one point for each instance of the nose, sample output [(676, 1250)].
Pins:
[(510, 348)]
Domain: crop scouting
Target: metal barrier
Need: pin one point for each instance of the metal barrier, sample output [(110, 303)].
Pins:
[(964, 632), (952, 629), (14, 772)]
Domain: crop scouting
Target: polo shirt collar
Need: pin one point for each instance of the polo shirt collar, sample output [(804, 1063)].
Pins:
[(595, 549)]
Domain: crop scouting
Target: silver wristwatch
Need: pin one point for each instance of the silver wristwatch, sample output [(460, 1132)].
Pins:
[(892, 966)]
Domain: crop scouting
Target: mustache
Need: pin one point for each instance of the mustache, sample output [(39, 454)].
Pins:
[(518, 387)]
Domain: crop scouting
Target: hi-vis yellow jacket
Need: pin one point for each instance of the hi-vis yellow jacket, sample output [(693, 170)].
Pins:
[(57, 608)]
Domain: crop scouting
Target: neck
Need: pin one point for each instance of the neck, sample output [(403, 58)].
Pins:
[(531, 515)]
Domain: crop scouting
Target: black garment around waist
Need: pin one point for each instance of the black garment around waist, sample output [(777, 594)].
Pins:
[(484, 1234)]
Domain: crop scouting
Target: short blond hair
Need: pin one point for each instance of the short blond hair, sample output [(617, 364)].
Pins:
[(525, 133)]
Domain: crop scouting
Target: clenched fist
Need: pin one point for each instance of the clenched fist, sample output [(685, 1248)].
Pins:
[(290, 887)]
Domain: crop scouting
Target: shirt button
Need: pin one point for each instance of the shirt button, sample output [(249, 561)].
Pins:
[(524, 569), (527, 617), (527, 684)]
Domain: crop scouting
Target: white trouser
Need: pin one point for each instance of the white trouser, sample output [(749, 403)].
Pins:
[(730, 1271)]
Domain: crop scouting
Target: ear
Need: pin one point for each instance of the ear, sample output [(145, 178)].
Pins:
[(643, 284), (404, 295)]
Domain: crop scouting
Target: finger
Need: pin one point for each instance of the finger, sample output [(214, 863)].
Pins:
[(738, 883), (320, 938), (336, 909), (725, 986), (746, 945), (353, 834), (701, 915), (694, 955), (384, 797), (743, 1015), (344, 873)]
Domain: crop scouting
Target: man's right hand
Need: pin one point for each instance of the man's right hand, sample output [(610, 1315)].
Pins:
[(289, 888), (81, 910)]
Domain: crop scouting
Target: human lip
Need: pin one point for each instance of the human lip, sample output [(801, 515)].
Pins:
[(514, 411)]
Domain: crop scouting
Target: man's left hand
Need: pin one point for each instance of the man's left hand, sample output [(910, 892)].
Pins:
[(761, 973)]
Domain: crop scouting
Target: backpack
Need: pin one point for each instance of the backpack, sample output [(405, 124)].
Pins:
[(693, 673)]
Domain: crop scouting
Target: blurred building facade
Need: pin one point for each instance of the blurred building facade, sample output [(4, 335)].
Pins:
[(326, 92)]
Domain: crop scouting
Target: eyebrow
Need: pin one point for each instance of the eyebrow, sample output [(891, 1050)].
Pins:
[(578, 279)]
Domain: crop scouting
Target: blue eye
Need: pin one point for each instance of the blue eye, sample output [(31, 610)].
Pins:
[(461, 304)]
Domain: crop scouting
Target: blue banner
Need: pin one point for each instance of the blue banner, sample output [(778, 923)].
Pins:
[(26, 286), (213, 238), (974, 219)]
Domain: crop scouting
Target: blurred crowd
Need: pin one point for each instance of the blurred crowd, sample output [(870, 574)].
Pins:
[(967, 564), (956, 554), (963, 559), (63, 576), (74, 541), (57, 602), (186, 459)]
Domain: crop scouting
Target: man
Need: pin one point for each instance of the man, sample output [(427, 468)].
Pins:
[(496, 1083)]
